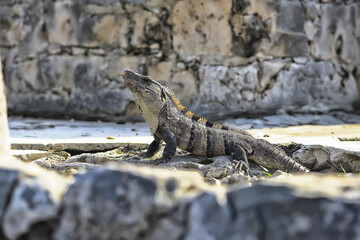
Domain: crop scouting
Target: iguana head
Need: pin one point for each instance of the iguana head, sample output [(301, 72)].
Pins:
[(149, 95)]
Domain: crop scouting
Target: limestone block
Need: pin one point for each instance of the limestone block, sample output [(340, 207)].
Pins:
[(225, 89), (184, 84), (69, 24), (63, 23), (160, 71), (70, 84), (116, 64), (279, 28), (17, 22), (336, 37), (275, 85), (72, 23), (269, 71), (106, 30), (100, 2), (201, 27), (142, 21), (95, 92), (314, 85)]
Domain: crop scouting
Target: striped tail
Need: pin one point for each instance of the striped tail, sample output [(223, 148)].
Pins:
[(274, 157)]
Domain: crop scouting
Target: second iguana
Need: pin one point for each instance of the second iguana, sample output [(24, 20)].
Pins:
[(171, 122)]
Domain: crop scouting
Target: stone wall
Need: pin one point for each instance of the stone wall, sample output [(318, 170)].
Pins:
[(221, 57)]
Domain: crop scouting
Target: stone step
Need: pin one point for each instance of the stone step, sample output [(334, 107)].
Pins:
[(37, 134)]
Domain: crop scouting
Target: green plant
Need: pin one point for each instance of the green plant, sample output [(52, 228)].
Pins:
[(268, 174), (343, 169)]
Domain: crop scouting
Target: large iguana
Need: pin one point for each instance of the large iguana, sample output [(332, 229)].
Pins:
[(171, 122)]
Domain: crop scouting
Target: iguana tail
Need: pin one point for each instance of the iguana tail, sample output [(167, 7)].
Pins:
[(274, 157)]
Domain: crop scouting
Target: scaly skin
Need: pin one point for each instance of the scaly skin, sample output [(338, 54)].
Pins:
[(172, 123)]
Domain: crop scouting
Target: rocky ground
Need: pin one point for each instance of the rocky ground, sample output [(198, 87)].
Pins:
[(70, 146)]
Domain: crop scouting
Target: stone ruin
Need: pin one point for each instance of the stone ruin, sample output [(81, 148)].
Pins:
[(231, 57)]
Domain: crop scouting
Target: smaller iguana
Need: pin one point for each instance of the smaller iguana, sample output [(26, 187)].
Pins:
[(171, 122)]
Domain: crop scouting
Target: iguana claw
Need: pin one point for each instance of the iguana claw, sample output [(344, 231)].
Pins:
[(241, 165)]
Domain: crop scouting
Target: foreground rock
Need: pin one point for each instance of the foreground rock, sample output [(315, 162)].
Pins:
[(143, 203)]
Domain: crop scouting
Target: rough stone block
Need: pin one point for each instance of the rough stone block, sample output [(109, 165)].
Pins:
[(314, 85), (184, 84), (274, 85), (201, 27), (225, 89), (70, 85), (29, 204), (295, 215), (107, 204), (280, 28), (18, 22), (205, 223), (8, 181), (336, 37)]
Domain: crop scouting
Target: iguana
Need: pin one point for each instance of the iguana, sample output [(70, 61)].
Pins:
[(171, 122)]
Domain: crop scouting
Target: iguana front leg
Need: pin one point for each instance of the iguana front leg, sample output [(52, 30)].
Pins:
[(240, 159), (240, 151), (153, 148), (169, 138), (163, 133)]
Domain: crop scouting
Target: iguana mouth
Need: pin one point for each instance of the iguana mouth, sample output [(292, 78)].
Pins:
[(124, 75)]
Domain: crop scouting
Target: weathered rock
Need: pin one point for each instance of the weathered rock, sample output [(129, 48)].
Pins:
[(29, 204), (8, 181), (220, 168), (134, 202), (194, 31), (207, 217), (316, 85), (333, 38), (69, 84), (277, 212), (311, 90), (104, 202), (30, 155), (122, 220), (328, 159)]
